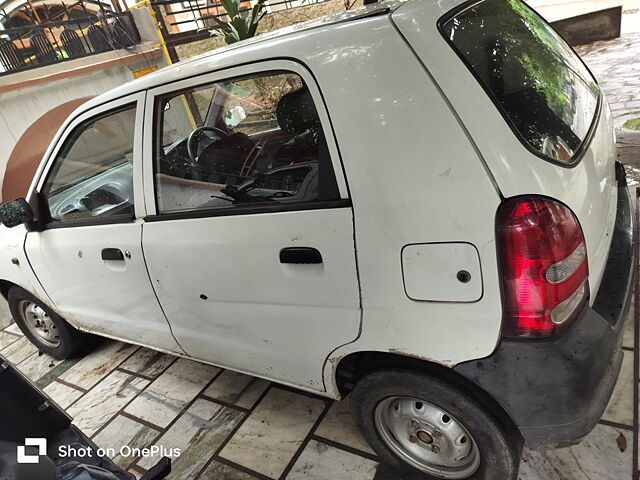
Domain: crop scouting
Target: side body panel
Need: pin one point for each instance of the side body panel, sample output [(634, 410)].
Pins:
[(414, 177), (12, 247)]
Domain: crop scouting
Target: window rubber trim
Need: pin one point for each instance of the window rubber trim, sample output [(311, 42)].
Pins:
[(584, 145), (250, 210), (109, 220)]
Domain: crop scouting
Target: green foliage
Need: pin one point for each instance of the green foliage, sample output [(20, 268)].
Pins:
[(633, 124), (241, 24)]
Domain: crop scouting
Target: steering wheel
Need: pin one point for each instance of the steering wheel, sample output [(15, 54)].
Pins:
[(196, 135)]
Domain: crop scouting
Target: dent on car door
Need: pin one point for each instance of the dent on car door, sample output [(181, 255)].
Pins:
[(249, 191), (88, 256)]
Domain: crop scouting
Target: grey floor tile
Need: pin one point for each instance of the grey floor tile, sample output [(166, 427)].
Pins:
[(167, 396), (5, 314), (37, 365), (55, 372), (620, 408), (98, 364), (13, 328), (323, 462), (597, 457), (338, 425), (123, 435), (198, 433), (19, 351), (220, 471), (104, 400), (148, 362), (237, 389), (267, 441), (62, 394), (7, 339)]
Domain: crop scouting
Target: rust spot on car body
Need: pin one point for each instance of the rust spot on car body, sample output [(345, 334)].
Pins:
[(420, 357)]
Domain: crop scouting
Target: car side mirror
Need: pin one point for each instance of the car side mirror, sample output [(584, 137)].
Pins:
[(16, 212)]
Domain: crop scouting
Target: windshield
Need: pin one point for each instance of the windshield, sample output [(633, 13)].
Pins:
[(540, 85)]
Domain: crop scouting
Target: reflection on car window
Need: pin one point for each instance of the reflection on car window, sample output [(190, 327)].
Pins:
[(92, 175), (543, 88), (250, 140)]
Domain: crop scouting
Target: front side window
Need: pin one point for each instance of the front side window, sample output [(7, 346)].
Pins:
[(253, 140), (541, 86), (92, 175)]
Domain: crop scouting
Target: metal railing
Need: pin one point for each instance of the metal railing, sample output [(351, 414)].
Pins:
[(194, 15), (32, 46)]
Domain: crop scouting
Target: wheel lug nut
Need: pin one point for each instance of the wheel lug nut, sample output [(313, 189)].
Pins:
[(413, 439), (435, 448)]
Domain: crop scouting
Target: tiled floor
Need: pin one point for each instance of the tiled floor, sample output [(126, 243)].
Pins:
[(230, 426)]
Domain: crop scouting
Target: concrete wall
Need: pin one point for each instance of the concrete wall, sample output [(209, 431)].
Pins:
[(28, 95)]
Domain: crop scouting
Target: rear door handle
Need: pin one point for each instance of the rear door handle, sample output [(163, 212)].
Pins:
[(112, 254), (300, 255)]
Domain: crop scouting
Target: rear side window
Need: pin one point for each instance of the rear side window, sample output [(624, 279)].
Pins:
[(540, 85)]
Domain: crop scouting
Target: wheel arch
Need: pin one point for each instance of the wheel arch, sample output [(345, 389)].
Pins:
[(5, 286), (351, 368)]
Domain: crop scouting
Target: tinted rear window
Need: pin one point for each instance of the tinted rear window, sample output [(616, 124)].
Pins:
[(543, 89)]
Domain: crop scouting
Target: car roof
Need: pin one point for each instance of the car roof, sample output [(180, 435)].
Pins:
[(173, 72)]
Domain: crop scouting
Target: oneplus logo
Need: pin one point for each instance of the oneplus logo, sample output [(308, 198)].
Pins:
[(41, 443)]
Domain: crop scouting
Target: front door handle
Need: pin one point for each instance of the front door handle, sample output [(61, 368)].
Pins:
[(300, 255), (112, 254)]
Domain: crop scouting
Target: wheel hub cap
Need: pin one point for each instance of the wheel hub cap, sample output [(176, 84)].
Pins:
[(427, 437), (39, 323)]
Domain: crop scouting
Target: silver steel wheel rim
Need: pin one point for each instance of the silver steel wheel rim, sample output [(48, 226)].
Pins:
[(427, 437), (39, 323)]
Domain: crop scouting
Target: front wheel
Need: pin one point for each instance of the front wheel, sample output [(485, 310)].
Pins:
[(428, 429), (50, 333)]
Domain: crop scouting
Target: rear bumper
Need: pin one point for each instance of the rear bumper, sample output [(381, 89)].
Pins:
[(556, 390)]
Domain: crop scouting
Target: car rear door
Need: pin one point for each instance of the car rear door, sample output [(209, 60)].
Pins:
[(262, 278), (89, 256)]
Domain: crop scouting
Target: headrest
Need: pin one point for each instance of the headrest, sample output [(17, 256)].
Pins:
[(296, 112)]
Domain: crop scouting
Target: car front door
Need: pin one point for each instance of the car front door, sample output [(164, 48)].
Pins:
[(89, 256), (251, 248)]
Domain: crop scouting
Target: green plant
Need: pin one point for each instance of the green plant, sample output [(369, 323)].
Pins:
[(633, 124), (239, 26)]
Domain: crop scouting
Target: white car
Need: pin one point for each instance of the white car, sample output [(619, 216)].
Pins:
[(417, 203)]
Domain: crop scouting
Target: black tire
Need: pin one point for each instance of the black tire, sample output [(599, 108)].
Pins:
[(499, 445), (72, 342)]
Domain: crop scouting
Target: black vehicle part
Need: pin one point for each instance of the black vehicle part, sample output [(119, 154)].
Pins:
[(26, 412)]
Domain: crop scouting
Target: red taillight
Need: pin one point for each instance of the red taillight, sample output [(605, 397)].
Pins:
[(543, 259)]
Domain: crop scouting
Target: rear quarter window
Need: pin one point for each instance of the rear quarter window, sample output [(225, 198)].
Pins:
[(540, 85)]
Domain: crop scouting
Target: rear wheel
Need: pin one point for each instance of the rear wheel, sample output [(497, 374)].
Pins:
[(428, 429), (46, 329)]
